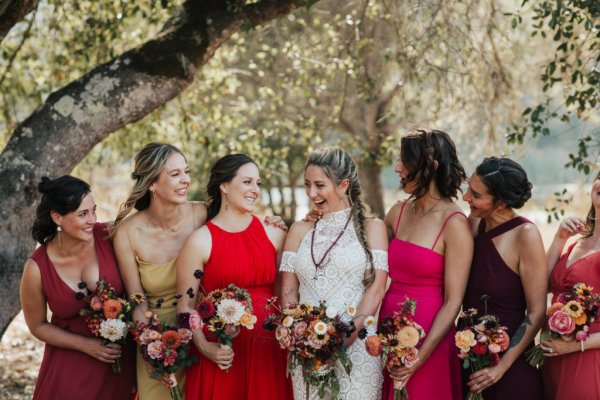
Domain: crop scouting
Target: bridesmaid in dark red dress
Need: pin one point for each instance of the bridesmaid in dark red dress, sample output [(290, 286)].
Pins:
[(234, 247), (508, 267), (74, 254), (572, 369)]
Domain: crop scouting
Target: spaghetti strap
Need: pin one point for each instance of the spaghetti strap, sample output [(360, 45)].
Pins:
[(400, 215), (443, 226)]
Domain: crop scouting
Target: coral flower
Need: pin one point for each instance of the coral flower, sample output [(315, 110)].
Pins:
[(171, 339), (408, 337), (581, 320), (554, 308), (112, 308), (374, 345)]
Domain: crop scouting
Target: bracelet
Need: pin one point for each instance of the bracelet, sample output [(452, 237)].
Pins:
[(581, 345)]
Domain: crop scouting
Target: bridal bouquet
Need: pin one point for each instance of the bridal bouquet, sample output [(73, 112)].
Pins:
[(569, 318), (165, 348), (395, 340), (225, 312), (108, 316), (315, 339), (480, 343)]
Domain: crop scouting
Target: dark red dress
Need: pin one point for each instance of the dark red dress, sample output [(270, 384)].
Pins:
[(69, 374), (490, 275), (246, 259), (574, 375)]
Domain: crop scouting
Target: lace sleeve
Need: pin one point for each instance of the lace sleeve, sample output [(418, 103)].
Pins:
[(288, 262), (380, 260)]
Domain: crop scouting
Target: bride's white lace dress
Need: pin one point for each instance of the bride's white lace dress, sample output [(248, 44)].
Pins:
[(338, 282)]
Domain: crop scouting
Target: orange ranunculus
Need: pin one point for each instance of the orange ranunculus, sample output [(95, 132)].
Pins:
[(112, 308), (554, 308), (373, 345), (503, 340), (171, 339), (581, 320)]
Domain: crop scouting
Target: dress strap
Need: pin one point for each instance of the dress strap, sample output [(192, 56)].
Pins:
[(507, 226), (399, 216), (444, 226)]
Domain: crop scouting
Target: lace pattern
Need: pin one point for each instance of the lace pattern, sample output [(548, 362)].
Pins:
[(288, 259)]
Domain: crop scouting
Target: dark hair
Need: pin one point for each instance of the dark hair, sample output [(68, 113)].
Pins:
[(590, 219), (338, 165), (506, 181), (62, 195), (419, 150), (223, 171)]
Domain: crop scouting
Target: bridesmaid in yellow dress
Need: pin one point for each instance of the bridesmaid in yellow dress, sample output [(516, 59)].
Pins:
[(148, 242)]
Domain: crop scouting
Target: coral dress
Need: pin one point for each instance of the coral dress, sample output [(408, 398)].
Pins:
[(70, 374), (491, 276), (246, 259), (418, 272), (574, 375)]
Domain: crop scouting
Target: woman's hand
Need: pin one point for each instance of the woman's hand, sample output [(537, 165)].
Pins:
[(570, 226), (108, 353), (277, 222), (559, 347), (219, 354), (403, 374), (165, 379), (486, 377), (313, 216)]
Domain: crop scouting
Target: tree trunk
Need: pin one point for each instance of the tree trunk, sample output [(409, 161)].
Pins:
[(58, 135), (370, 181), (12, 12)]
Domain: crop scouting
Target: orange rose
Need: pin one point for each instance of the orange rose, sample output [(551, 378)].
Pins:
[(554, 308), (112, 308)]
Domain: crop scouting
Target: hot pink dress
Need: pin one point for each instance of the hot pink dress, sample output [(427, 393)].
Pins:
[(418, 272), (574, 375)]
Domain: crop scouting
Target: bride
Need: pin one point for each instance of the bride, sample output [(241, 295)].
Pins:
[(340, 259)]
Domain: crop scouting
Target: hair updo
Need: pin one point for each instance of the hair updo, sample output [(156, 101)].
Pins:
[(506, 181), (62, 195)]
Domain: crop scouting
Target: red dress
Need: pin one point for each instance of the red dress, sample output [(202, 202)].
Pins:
[(246, 259), (574, 375), (70, 374)]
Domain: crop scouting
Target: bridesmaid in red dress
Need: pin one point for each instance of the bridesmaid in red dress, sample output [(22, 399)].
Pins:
[(429, 259), (75, 253), (572, 369), (509, 268), (234, 247)]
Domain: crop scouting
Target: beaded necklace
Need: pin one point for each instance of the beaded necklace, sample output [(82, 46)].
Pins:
[(312, 242)]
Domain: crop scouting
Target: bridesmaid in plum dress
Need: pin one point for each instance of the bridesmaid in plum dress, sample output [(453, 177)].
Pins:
[(508, 268), (572, 369), (429, 259)]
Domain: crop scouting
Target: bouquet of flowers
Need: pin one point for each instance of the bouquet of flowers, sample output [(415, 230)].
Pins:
[(108, 316), (165, 348), (569, 318), (225, 312), (480, 343), (395, 340), (314, 337)]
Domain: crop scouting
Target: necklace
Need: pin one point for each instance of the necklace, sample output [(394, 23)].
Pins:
[(161, 227), (312, 242), (423, 213)]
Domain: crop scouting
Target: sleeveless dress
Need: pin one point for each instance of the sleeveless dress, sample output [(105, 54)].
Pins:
[(339, 283), (69, 374), (491, 276), (418, 272), (248, 260), (575, 375)]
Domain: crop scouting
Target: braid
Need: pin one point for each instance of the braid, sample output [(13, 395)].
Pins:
[(360, 226)]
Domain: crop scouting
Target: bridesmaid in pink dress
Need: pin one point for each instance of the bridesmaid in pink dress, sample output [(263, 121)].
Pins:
[(572, 369), (429, 260)]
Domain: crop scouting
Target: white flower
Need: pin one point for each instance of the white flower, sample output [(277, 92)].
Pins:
[(369, 321), (287, 321), (331, 312), (113, 329), (230, 311), (351, 311), (320, 328)]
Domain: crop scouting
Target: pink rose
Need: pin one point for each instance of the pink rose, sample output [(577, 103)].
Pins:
[(300, 328), (156, 349), (195, 321), (561, 323), (287, 342), (185, 335), (410, 358), (149, 335), (281, 332), (581, 336), (96, 303)]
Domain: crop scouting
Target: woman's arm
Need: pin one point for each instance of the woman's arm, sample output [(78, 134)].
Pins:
[(532, 270), (377, 240), (568, 227), (560, 347), (289, 280), (193, 256), (34, 307)]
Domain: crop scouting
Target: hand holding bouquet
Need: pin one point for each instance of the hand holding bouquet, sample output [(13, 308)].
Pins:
[(569, 318), (480, 343), (395, 340), (315, 339), (108, 316), (165, 348)]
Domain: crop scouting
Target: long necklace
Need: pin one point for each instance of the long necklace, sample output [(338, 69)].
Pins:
[(312, 242)]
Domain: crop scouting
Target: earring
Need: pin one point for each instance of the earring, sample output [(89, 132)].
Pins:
[(58, 231)]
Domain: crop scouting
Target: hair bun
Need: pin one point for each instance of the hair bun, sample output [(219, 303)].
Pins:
[(44, 185)]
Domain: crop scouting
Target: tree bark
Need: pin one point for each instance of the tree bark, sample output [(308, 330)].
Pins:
[(58, 135), (12, 12), (370, 182)]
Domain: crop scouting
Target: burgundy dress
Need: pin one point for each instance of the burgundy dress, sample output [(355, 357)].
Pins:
[(70, 374), (491, 276), (574, 375)]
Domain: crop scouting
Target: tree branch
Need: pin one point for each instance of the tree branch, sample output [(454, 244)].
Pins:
[(12, 12)]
